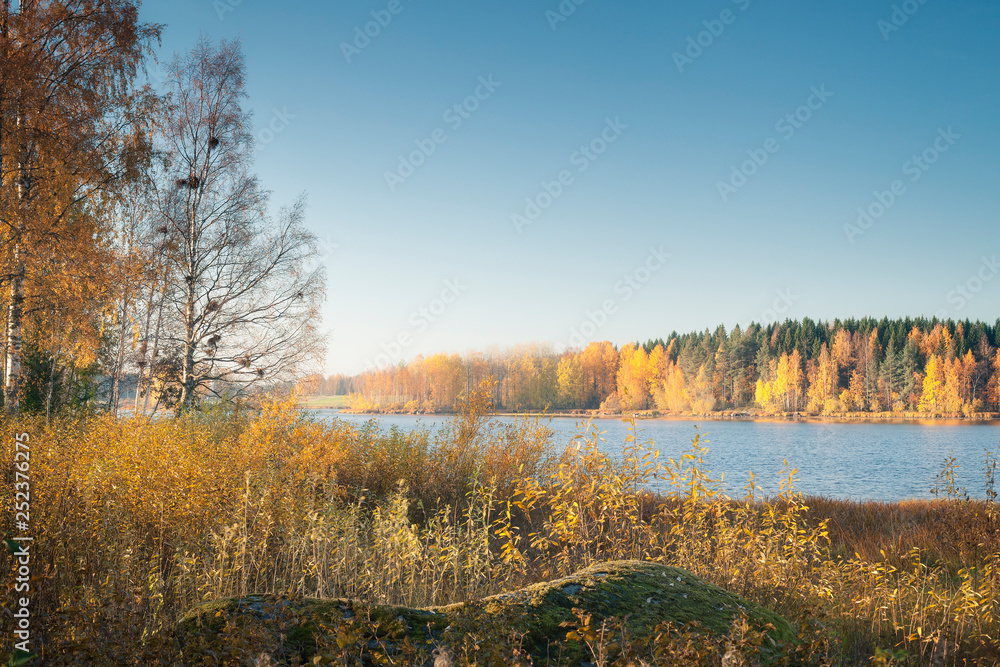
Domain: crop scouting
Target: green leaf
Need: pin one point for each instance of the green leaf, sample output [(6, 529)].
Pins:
[(18, 657)]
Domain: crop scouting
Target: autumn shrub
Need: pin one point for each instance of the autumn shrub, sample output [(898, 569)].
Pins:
[(135, 521), (926, 594)]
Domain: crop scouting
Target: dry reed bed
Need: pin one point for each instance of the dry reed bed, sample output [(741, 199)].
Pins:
[(135, 522)]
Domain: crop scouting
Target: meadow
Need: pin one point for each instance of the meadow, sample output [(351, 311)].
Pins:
[(135, 521)]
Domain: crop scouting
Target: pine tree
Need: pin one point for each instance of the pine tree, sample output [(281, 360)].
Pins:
[(892, 376), (870, 355)]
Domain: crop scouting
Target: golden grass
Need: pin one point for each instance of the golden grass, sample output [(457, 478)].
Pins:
[(137, 521)]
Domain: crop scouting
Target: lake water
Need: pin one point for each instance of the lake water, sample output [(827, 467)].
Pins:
[(861, 461)]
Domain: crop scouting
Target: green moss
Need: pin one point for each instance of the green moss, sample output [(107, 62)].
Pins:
[(644, 594)]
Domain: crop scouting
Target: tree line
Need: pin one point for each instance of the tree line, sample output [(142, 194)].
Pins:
[(137, 247), (855, 365)]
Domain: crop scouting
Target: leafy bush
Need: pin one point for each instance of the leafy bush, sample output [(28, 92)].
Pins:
[(136, 521)]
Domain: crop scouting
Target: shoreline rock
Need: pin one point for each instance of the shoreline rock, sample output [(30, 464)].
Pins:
[(643, 594)]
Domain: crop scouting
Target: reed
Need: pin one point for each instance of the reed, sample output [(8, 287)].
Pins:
[(136, 521)]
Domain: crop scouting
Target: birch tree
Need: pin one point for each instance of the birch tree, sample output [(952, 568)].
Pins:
[(71, 126), (243, 287)]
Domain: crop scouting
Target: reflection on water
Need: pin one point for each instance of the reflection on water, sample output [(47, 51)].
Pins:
[(866, 461)]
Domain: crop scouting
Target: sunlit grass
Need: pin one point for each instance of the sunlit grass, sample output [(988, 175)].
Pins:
[(137, 521)]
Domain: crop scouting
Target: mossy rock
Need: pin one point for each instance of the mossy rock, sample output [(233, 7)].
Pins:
[(643, 594)]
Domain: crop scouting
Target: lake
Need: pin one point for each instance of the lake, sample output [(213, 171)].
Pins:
[(852, 460)]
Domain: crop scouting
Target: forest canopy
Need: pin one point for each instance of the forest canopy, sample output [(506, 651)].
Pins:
[(911, 365)]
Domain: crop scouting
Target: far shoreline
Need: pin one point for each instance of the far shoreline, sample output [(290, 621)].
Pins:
[(982, 418)]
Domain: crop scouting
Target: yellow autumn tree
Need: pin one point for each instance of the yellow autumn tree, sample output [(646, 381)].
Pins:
[(785, 391), (570, 380), (952, 391), (443, 374), (68, 314), (842, 349), (656, 367), (993, 387), (823, 384), (762, 394), (672, 395), (763, 390), (970, 402), (932, 398), (958, 391), (72, 126), (853, 398), (938, 341), (600, 371), (633, 378), (702, 396), (795, 383)]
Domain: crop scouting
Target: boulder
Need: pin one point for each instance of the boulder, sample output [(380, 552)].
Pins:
[(531, 621)]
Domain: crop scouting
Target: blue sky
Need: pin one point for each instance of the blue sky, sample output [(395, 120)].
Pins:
[(672, 167)]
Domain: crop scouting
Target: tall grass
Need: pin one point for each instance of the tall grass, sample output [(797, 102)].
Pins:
[(137, 521)]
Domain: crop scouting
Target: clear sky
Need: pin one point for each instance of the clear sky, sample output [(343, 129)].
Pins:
[(642, 167)]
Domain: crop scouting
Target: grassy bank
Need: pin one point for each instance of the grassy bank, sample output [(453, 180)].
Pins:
[(343, 404), (136, 522), (324, 402)]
